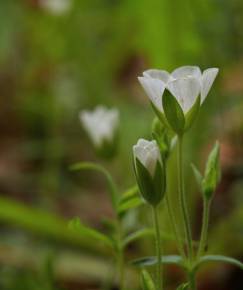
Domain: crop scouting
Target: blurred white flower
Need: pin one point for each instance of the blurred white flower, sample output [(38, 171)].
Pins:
[(148, 153), (185, 84), (57, 7), (100, 124)]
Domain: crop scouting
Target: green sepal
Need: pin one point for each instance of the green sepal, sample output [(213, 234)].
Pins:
[(147, 281), (151, 188), (212, 173), (159, 181), (109, 148), (192, 114), (145, 181), (163, 137), (173, 113), (160, 116)]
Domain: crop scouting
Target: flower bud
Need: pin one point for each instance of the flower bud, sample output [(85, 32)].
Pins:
[(102, 127), (149, 170), (212, 173)]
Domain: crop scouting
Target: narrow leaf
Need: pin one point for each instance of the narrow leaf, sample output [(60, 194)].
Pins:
[(184, 286), (129, 199), (152, 260), (147, 281), (138, 235), (76, 225), (173, 113), (92, 166), (198, 176), (219, 258)]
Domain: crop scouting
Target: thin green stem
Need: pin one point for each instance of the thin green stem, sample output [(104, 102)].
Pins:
[(159, 267), (179, 242), (192, 280), (120, 256), (204, 231), (182, 199), (121, 269)]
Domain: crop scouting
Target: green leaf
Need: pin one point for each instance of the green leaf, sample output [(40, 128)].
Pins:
[(137, 235), (152, 260), (173, 113), (147, 281), (111, 185), (129, 199), (184, 286), (76, 225), (192, 113), (219, 258), (212, 172), (198, 176)]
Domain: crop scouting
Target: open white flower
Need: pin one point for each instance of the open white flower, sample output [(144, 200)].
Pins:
[(57, 7), (185, 84), (100, 124), (147, 152)]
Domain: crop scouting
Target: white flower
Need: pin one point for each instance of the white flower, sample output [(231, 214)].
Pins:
[(147, 152), (101, 124), (57, 7), (185, 84)]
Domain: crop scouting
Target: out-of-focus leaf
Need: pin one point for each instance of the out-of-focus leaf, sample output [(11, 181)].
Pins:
[(76, 225), (130, 199), (152, 260), (184, 286), (147, 281), (198, 176), (219, 258), (137, 235), (93, 166)]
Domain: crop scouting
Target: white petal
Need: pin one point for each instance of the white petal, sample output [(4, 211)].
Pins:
[(139, 153), (100, 124), (185, 91), (154, 88), (157, 74), (186, 71), (208, 78), (142, 142)]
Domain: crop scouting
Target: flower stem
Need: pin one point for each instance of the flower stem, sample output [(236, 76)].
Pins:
[(120, 256), (175, 227), (182, 200), (121, 269), (159, 267), (204, 232), (192, 280)]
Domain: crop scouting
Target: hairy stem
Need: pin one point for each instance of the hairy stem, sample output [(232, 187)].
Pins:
[(159, 267), (204, 231), (182, 199)]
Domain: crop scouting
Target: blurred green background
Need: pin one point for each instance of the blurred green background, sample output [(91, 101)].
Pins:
[(58, 57)]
